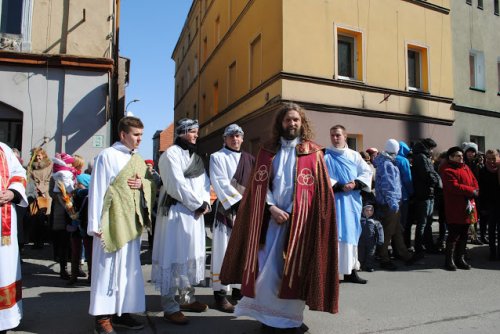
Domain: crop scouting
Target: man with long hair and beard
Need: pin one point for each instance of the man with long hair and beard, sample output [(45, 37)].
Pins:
[(283, 247)]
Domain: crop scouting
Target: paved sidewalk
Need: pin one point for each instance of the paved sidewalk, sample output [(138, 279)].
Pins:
[(422, 298)]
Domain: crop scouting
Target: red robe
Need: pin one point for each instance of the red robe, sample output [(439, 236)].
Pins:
[(310, 270)]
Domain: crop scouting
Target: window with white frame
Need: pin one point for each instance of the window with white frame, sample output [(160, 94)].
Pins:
[(476, 70), (495, 7), (15, 24), (498, 74), (417, 68), (349, 54)]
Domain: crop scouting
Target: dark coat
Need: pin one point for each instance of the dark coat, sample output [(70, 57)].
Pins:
[(459, 184), (425, 178)]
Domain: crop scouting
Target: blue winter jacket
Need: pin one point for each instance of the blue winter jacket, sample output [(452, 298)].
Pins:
[(387, 182), (405, 171)]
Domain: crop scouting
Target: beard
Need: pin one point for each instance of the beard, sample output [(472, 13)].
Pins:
[(291, 133)]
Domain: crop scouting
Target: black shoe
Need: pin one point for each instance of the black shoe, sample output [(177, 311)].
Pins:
[(126, 321), (354, 278), (236, 294), (64, 275), (389, 265)]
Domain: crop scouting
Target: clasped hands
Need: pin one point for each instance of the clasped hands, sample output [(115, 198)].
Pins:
[(135, 182), (280, 216), (6, 196)]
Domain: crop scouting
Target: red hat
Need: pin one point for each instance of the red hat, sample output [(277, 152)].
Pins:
[(371, 150), (149, 162)]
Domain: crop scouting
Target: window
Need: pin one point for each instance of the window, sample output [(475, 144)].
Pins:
[(217, 30), (195, 66), (480, 4), (205, 48), (231, 83), (417, 68), (469, 2), (11, 16), (355, 142), (479, 140), (255, 62), (15, 21), (204, 105), (349, 54), (216, 97), (498, 75), (476, 70), (495, 7)]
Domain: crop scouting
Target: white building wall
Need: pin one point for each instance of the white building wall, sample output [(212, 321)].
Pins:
[(65, 106)]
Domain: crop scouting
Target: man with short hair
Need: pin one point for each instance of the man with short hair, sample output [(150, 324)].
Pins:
[(121, 196), (281, 248), (12, 192), (230, 170), (425, 179), (349, 173), (179, 238)]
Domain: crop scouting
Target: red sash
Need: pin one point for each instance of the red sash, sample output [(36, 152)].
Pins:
[(10, 295), (6, 210), (305, 182)]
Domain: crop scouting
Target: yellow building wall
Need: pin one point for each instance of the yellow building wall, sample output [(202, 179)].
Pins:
[(387, 26), (61, 27), (262, 18)]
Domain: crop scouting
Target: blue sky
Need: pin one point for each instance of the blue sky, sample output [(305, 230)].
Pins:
[(148, 32)]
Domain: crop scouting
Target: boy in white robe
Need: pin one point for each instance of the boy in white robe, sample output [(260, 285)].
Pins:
[(117, 286), (12, 191)]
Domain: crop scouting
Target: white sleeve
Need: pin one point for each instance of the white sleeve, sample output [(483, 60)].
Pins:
[(97, 189), (221, 181), (15, 169), (176, 184)]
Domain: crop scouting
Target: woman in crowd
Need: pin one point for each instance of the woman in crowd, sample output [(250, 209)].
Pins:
[(460, 187), (39, 174)]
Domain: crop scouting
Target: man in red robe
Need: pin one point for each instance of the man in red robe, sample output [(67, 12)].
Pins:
[(283, 248)]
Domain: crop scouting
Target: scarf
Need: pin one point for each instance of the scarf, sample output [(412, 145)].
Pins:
[(126, 211)]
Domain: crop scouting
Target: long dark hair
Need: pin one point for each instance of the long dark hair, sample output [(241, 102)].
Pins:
[(306, 132)]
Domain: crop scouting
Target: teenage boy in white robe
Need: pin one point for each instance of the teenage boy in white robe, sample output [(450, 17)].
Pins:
[(179, 238), (117, 286), (12, 192), (230, 169)]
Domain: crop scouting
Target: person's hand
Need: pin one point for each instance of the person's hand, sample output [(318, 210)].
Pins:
[(135, 182), (98, 234), (279, 215), (475, 193), (349, 186), (6, 196)]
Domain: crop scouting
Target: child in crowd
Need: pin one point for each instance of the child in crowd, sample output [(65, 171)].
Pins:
[(78, 229), (372, 234)]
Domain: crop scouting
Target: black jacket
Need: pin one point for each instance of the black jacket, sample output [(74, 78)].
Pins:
[(425, 178)]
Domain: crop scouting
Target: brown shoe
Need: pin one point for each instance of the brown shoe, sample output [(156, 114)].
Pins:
[(103, 325), (176, 318), (194, 307), (223, 305)]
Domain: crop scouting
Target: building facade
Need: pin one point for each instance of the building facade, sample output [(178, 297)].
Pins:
[(61, 79), (381, 68), (476, 69)]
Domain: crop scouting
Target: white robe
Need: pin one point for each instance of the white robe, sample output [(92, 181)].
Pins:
[(266, 307), (348, 253), (179, 239), (117, 283), (10, 267), (223, 164)]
